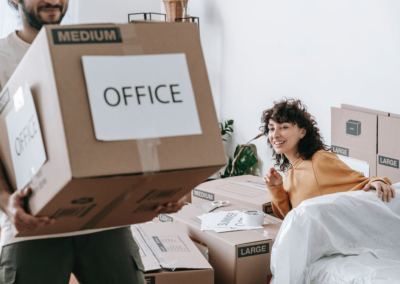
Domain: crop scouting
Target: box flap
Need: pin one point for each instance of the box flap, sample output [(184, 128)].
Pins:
[(362, 109), (165, 245), (248, 188)]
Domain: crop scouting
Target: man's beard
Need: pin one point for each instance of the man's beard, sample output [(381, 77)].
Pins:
[(35, 20)]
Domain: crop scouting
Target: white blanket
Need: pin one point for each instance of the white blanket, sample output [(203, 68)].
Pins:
[(351, 237)]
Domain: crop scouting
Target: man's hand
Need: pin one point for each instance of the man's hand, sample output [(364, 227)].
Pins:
[(19, 218), (387, 190), (171, 207), (272, 178)]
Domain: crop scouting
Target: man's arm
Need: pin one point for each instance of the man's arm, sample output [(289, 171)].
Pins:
[(13, 205)]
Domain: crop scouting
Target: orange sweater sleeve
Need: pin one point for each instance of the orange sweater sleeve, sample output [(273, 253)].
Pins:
[(333, 175), (280, 201)]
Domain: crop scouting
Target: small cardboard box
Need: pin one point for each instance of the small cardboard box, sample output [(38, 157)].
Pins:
[(388, 148), (88, 182), (238, 257), (248, 190), (169, 256), (354, 133)]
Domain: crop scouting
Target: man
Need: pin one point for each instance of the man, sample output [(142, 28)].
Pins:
[(94, 256)]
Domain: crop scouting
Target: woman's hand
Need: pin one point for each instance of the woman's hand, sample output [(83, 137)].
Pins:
[(272, 178), (387, 191)]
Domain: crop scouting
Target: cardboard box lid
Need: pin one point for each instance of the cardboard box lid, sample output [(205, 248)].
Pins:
[(394, 115), (189, 214), (165, 245), (90, 157), (246, 188), (362, 109)]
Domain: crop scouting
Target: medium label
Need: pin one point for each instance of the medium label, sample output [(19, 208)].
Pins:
[(268, 209), (165, 218), (203, 195), (4, 99), (253, 250), (86, 35), (340, 150), (389, 162), (141, 97)]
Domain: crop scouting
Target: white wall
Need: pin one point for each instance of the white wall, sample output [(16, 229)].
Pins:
[(113, 11), (322, 52)]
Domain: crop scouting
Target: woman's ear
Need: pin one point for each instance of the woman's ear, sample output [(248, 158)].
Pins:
[(303, 133)]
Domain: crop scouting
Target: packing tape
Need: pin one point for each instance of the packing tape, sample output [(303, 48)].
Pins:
[(147, 148), (253, 218)]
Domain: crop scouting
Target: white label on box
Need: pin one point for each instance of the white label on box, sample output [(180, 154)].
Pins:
[(355, 164), (25, 138), (141, 97)]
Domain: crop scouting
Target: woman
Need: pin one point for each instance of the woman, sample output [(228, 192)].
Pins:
[(311, 170)]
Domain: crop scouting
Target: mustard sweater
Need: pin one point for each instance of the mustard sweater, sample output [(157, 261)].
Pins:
[(324, 174)]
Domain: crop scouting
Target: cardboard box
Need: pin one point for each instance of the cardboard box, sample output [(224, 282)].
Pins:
[(169, 256), (239, 257), (86, 181), (354, 133), (248, 190), (388, 148)]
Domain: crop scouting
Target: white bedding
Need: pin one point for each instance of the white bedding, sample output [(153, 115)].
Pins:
[(350, 237)]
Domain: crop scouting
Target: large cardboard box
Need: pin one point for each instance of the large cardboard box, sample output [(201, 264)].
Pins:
[(248, 190), (388, 147), (88, 181), (239, 257), (169, 256), (354, 133)]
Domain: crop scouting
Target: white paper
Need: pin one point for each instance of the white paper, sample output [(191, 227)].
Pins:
[(141, 97), (224, 221), (25, 138), (357, 165)]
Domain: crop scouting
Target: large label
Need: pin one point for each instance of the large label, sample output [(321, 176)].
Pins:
[(140, 97), (389, 162), (340, 150), (150, 279), (203, 194), (86, 35), (25, 137), (253, 250)]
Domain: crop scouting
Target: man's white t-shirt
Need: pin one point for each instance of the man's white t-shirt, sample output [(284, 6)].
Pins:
[(12, 50)]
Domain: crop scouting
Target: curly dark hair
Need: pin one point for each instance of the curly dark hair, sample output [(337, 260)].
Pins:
[(12, 4), (295, 112)]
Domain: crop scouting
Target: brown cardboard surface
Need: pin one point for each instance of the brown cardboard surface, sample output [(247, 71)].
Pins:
[(248, 190), (354, 128), (356, 153), (395, 115), (110, 171), (232, 255), (362, 109), (389, 135), (180, 277), (388, 166)]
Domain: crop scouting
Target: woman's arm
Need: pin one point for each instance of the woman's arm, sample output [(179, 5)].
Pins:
[(279, 196)]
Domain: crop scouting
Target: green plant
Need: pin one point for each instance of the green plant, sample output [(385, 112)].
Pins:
[(244, 157), (226, 128)]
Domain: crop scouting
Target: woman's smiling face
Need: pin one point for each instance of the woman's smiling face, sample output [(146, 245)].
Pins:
[(285, 137)]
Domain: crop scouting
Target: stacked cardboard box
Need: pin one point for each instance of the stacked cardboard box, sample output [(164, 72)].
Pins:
[(355, 134), (238, 257), (81, 84), (169, 256), (248, 190), (389, 147)]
